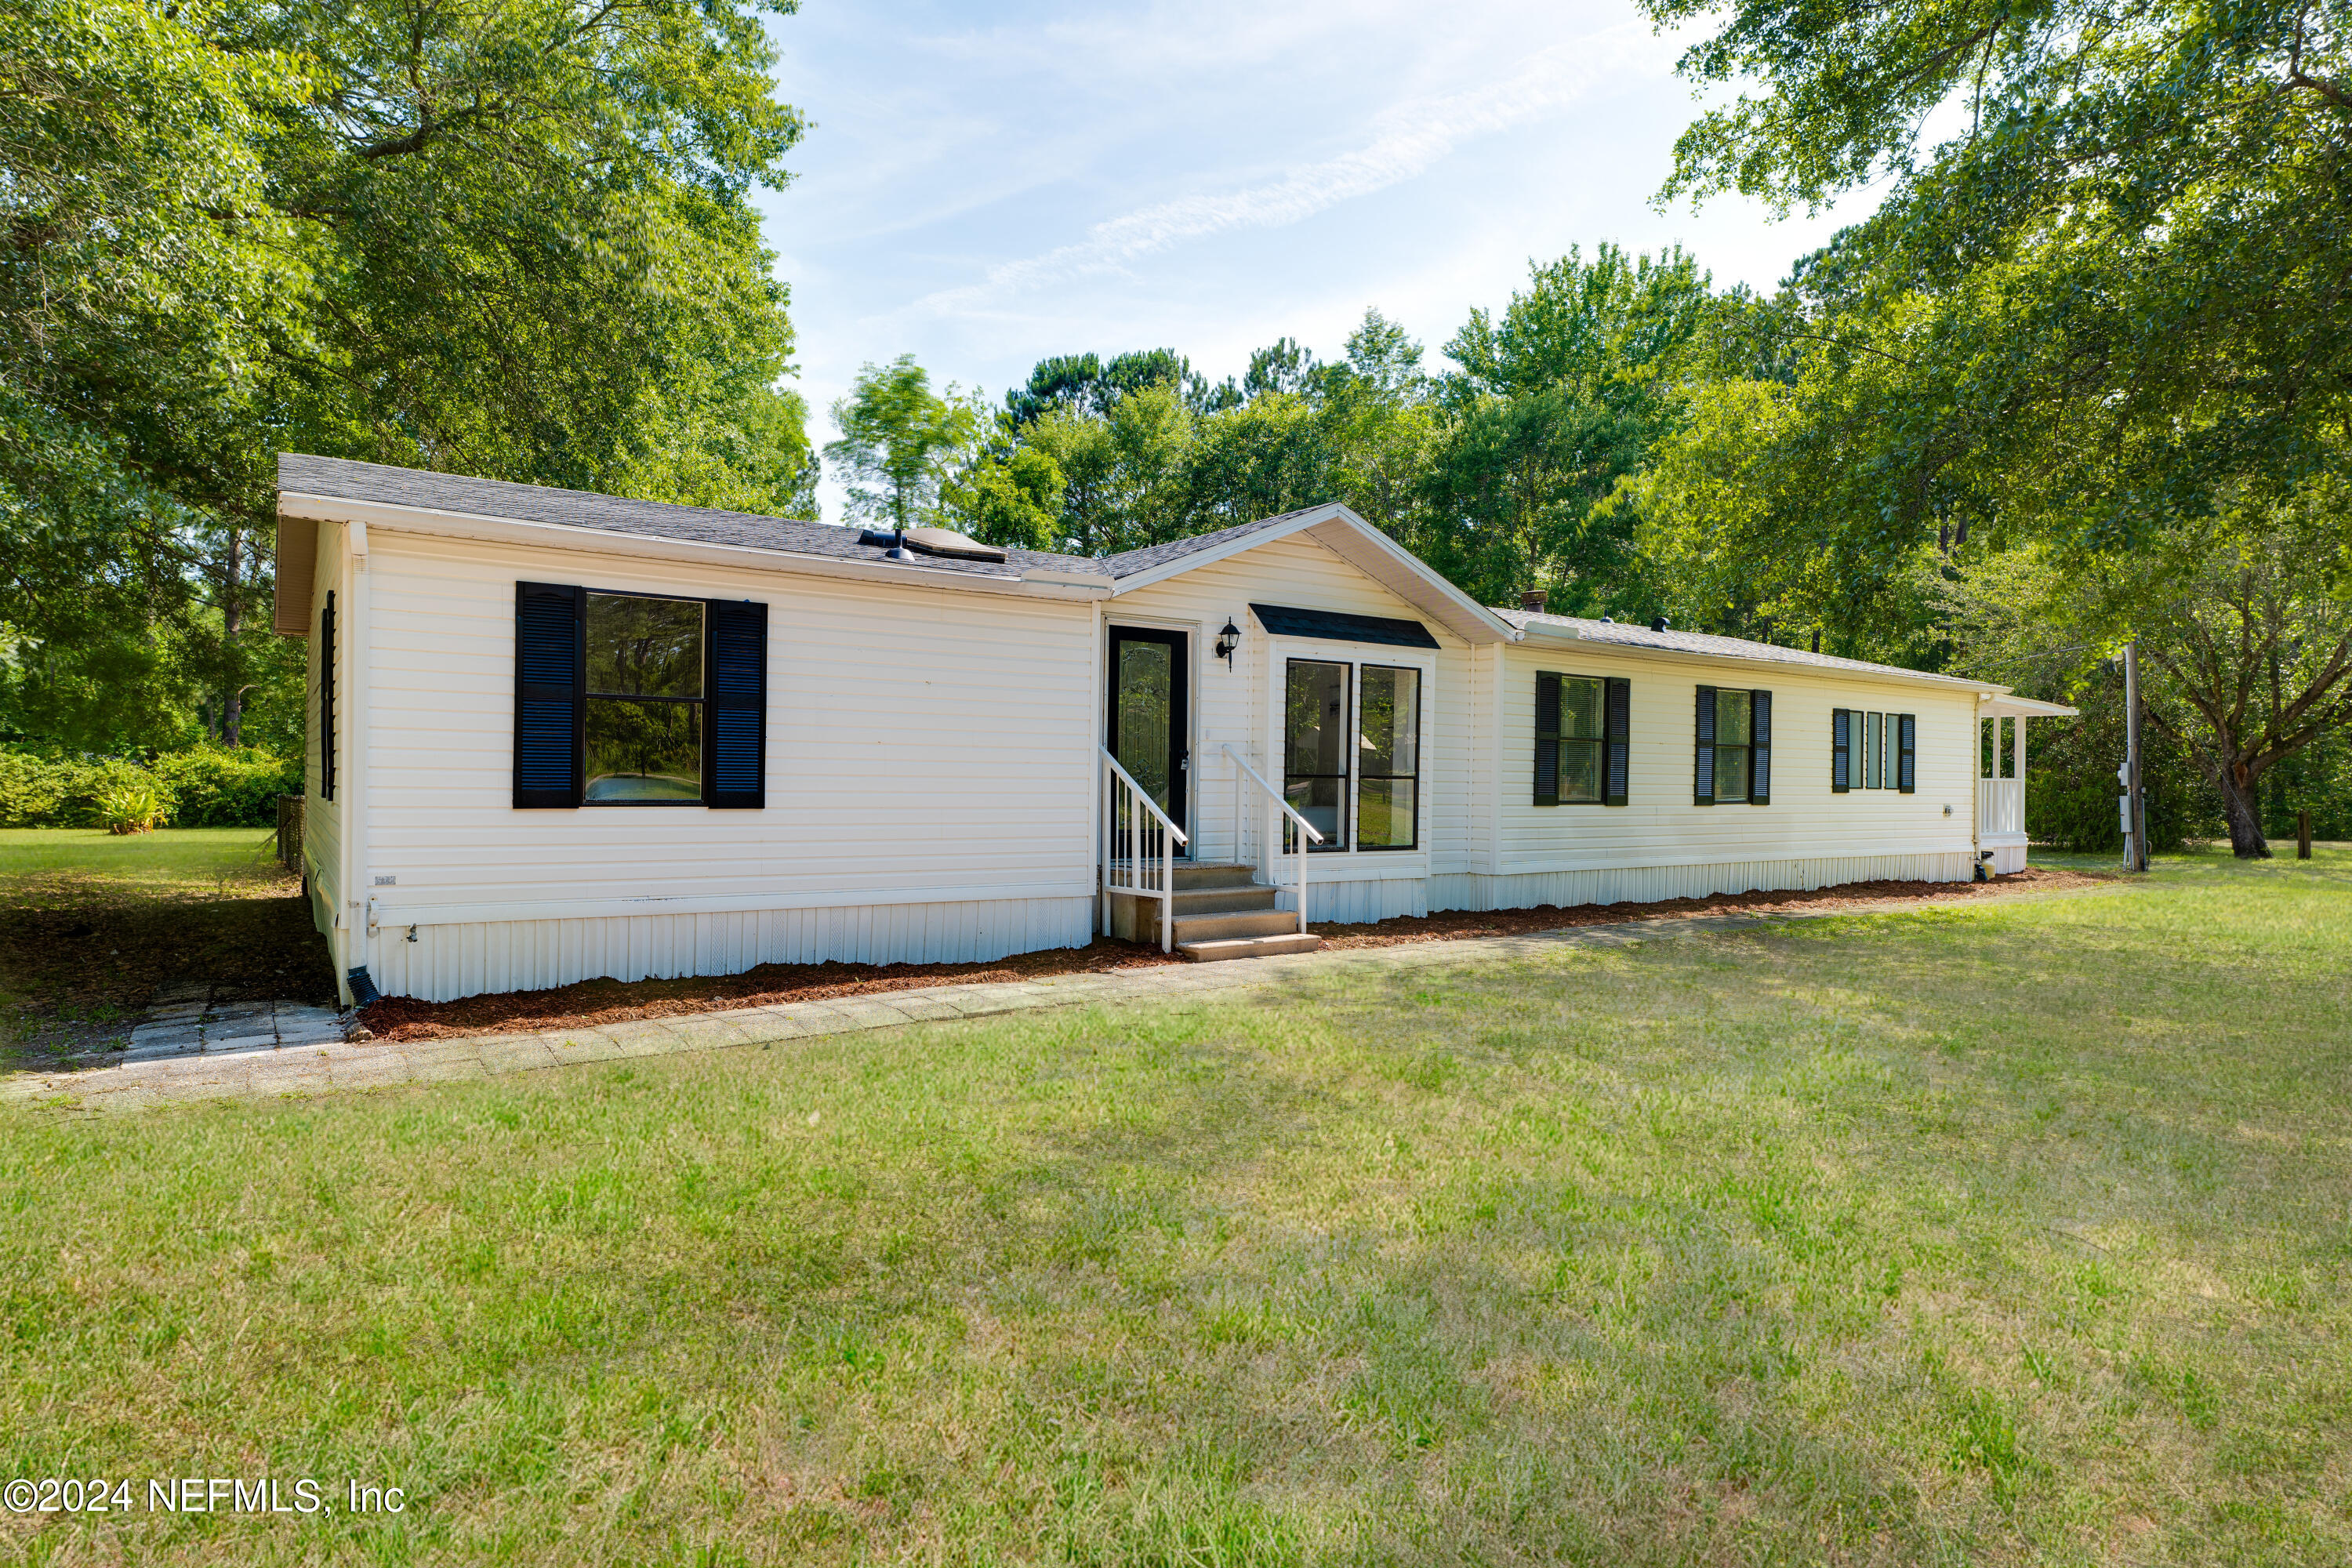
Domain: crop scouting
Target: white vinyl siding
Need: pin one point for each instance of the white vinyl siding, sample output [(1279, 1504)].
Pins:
[(932, 770), (1660, 827), (1232, 705), (931, 744)]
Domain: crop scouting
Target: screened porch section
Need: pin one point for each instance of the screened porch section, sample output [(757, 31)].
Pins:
[(2001, 837)]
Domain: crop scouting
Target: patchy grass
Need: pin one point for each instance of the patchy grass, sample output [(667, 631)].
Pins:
[(91, 924), (2009, 1233)]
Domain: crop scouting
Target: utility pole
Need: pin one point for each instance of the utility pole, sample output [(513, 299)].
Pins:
[(2135, 807)]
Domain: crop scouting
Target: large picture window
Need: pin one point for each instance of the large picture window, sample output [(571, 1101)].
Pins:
[(645, 700), (1315, 748), (1387, 758)]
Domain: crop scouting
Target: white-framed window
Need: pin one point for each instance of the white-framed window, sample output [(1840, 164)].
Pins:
[(1353, 730)]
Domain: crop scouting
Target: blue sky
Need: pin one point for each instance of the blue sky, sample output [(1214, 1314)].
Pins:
[(987, 185)]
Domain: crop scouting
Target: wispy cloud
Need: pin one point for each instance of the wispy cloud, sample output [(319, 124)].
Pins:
[(1409, 139)]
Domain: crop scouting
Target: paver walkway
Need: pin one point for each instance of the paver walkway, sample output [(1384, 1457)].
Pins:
[(280, 1067), (194, 1027)]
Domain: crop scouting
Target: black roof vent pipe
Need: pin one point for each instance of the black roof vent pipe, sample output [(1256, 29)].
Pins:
[(1658, 624)]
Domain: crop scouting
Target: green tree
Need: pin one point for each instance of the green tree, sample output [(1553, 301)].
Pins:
[(901, 440), (513, 240), (2250, 650), (2101, 317), (1556, 403), (1014, 500)]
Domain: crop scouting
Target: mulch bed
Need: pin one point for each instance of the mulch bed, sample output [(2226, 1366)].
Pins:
[(1455, 925), (593, 1001)]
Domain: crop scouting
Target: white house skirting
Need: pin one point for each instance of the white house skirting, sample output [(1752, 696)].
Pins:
[(1358, 900), (1647, 884), (446, 961)]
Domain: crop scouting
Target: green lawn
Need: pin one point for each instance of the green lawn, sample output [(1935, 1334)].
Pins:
[(2011, 1233), (91, 924)]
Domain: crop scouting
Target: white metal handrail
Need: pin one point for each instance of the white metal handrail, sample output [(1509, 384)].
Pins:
[(1270, 829), (1133, 823)]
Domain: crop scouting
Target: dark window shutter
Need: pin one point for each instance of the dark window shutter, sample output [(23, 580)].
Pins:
[(1841, 749), (327, 700), (1703, 789), (1547, 740), (734, 771), (1620, 731), (551, 674), (1906, 774), (1759, 748)]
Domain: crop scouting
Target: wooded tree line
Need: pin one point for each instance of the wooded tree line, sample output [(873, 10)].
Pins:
[(513, 240), (2081, 375), (1505, 468)]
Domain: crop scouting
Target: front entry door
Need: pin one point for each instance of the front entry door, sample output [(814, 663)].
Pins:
[(1150, 724)]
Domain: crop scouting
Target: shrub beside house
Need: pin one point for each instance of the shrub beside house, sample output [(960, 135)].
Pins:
[(208, 786)]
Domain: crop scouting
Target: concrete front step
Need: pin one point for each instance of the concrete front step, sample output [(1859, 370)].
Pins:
[(1249, 946), (1247, 922), (1223, 900), (1193, 874)]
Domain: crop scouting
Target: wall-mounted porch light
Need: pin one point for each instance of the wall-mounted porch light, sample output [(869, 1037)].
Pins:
[(1228, 640)]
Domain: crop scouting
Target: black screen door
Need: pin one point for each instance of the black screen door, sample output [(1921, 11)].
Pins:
[(1148, 724)]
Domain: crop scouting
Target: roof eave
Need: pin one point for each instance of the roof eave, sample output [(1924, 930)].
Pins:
[(2005, 704), (398, 518), (1539, 631)]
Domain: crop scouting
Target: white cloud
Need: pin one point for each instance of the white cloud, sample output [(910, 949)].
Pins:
[(1410, 139)]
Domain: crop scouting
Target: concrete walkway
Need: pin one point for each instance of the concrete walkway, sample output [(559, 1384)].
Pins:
[(272, 1068)]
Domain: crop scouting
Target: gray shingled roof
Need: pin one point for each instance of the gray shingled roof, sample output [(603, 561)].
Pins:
[(1128, 563), (343, 481), (1628, 634)]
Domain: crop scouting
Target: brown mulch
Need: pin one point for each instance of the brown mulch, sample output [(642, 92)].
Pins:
[(593, 1001), (1457, 925)]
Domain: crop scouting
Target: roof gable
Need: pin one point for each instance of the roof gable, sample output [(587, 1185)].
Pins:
[(1337, 529)]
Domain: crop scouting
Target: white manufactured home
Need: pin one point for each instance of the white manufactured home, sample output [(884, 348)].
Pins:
[(556, 736)]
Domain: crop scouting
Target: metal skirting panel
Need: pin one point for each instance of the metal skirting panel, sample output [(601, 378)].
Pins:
[(1358, 903), (447, 961), (2007, 858), (1648, 884)]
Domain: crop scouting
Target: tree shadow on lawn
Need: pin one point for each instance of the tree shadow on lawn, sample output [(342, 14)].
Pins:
[(1643, 1281), (83, 955), (1696, 1251)]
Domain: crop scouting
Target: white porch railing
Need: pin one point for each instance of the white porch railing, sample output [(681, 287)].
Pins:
[(2000, 806), (1271, 836), (1138, 848)]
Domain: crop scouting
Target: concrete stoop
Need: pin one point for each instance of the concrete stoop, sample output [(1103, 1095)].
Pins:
[(1219, 912)]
